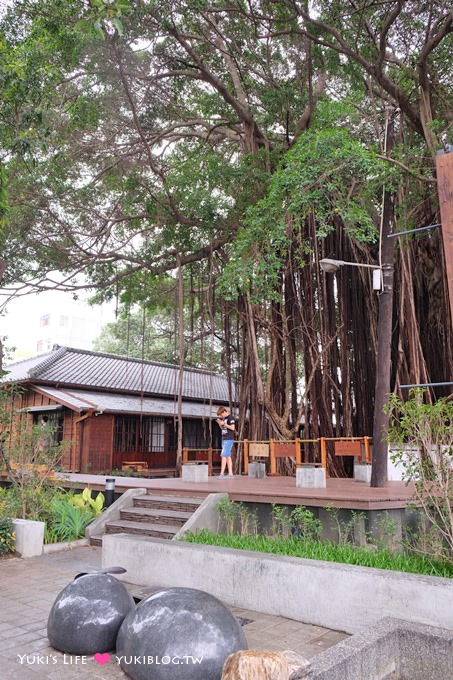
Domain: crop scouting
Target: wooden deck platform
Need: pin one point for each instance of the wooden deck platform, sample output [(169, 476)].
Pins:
[(340, 493)]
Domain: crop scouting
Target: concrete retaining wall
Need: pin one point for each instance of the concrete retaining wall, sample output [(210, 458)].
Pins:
[(204, 517), (391, 649), (338, 596)]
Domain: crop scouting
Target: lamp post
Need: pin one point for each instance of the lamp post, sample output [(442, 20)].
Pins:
[(384, 283), (109, 492), (379, 475)]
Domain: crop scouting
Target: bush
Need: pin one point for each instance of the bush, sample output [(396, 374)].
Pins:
[(29, 453), (9, 503), (67, 522), (68, 515), (6, 535), (84, 501), (300, 522), (425, 434)]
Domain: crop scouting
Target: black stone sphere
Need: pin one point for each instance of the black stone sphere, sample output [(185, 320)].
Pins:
[(87, 614), (178, 633)]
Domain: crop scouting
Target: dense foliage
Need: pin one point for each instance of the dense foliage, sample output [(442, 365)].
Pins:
[(232, 145), (6, 535), (65, 514)]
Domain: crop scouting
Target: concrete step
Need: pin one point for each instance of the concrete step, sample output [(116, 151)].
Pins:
[(153, 515), (156, 515), (142, 528), (183, 503), (96, 539)]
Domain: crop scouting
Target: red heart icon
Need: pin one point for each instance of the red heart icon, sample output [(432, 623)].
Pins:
[(101, 659)]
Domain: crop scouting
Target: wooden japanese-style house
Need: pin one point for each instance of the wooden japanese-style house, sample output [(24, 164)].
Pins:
[(115, 409)]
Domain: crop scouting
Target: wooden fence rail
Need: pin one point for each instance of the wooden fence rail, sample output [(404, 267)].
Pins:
[(304, 451)]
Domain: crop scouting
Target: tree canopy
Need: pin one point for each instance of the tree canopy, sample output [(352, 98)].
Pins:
[(237, 141)]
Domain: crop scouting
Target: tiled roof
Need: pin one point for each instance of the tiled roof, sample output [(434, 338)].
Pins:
[(106, 402), (66, 366)]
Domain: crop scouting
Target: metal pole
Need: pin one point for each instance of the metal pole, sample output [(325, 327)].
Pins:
[(109, 492), (436, 384), (444, 167), (412, 231), (379, 474)]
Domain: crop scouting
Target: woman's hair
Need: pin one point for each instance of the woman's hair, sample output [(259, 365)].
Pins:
[(221, 410)]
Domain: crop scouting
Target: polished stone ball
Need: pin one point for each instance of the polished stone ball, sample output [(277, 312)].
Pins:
[(178, 633), (87, 614)]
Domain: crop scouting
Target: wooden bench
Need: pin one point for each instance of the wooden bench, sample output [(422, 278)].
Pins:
[(135, 465)]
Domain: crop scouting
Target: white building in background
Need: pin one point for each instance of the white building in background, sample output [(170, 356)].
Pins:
[(73, 325), (35, 323)]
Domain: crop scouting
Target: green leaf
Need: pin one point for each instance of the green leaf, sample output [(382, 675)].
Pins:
[(118, 25)]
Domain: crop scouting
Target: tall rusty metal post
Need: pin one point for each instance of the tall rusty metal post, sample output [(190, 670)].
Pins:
[(444, 166)]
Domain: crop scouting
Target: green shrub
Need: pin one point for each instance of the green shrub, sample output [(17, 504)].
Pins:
[(30, 456), (300, 522), (9, 502), (6, 535), (281, 518), (228, 514), (68, 522), (345, 527), (66, 515), (423, 433), (84, 501), (305, 525)]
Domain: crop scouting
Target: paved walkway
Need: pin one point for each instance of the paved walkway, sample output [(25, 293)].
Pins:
[(28, 588)]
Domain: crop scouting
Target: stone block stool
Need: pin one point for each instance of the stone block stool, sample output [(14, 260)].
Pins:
[(311, 477)]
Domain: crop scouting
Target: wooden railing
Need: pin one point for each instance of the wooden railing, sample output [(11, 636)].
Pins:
[(281, 448), (199, 456), (360, 447), (299, 449)]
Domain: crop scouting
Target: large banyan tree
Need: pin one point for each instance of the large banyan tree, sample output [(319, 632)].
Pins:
[(207, 154)]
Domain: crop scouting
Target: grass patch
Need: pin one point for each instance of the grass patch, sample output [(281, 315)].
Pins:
[(322, 550)]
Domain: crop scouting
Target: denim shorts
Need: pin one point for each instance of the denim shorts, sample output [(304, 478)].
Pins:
[(227, 445)]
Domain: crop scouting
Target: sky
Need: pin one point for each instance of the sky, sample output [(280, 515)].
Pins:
[(51, 317)]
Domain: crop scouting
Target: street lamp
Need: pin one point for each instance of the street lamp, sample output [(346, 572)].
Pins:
[(331, 266)]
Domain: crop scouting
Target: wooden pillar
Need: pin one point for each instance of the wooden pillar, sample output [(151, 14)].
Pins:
[(323, 453), (444, 166), (246, 456), (298, 452), (273, 459), (367, 449)]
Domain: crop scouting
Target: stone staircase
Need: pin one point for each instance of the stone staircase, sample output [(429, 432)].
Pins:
[(155, 515)]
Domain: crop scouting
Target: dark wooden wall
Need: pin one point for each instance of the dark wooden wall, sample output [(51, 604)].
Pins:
[(99, 443)]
